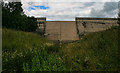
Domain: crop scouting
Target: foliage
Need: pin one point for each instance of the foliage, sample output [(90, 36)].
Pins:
[(29, 52), (14, 7), (44, 61), (95, 51), (13, 17)]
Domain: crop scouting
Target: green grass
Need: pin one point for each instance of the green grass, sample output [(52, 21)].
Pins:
[(24, 51), (95, 51)]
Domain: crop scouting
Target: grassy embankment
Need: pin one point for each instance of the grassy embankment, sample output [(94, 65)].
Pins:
[(31, 52)]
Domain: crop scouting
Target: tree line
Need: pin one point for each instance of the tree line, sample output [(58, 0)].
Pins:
[(14, 18)]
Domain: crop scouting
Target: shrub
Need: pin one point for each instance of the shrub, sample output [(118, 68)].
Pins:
[(43, 61)]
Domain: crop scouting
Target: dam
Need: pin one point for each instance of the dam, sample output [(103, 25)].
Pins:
[(68, 31)]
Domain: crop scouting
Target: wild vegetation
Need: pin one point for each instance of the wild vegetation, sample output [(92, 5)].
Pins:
[(14, 18), (27, 51)]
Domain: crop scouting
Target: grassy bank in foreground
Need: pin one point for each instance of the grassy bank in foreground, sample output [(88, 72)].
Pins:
[(95, 51), (27, 51), (31, 52)]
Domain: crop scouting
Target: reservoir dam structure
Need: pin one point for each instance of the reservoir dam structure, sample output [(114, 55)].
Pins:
[(68, 31)]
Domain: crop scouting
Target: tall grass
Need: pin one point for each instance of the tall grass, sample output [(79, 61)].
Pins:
[(24, 51), (95, 51)]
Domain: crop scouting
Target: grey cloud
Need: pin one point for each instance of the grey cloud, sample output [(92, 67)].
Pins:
[(87, 4), (81, 5), (109, 10), (96, 13), (110, 6)]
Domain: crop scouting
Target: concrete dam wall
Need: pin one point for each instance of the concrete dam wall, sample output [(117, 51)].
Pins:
[(61, 30), (67, 31), (87, 25)]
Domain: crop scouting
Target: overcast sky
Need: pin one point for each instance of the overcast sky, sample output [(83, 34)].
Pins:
[(65, 10)]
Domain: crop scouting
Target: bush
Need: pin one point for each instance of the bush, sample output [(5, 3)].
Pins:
[(44, 61)]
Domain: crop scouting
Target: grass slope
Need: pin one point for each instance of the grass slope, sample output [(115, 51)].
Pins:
[(30, 52), (95, 51), (25, 51)]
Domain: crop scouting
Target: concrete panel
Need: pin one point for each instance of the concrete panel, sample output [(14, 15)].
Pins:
[(52, 30), (61, 30), (68, 31)]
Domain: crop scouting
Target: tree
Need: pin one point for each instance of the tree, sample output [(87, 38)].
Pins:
[(14, 7), (12, 18)]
